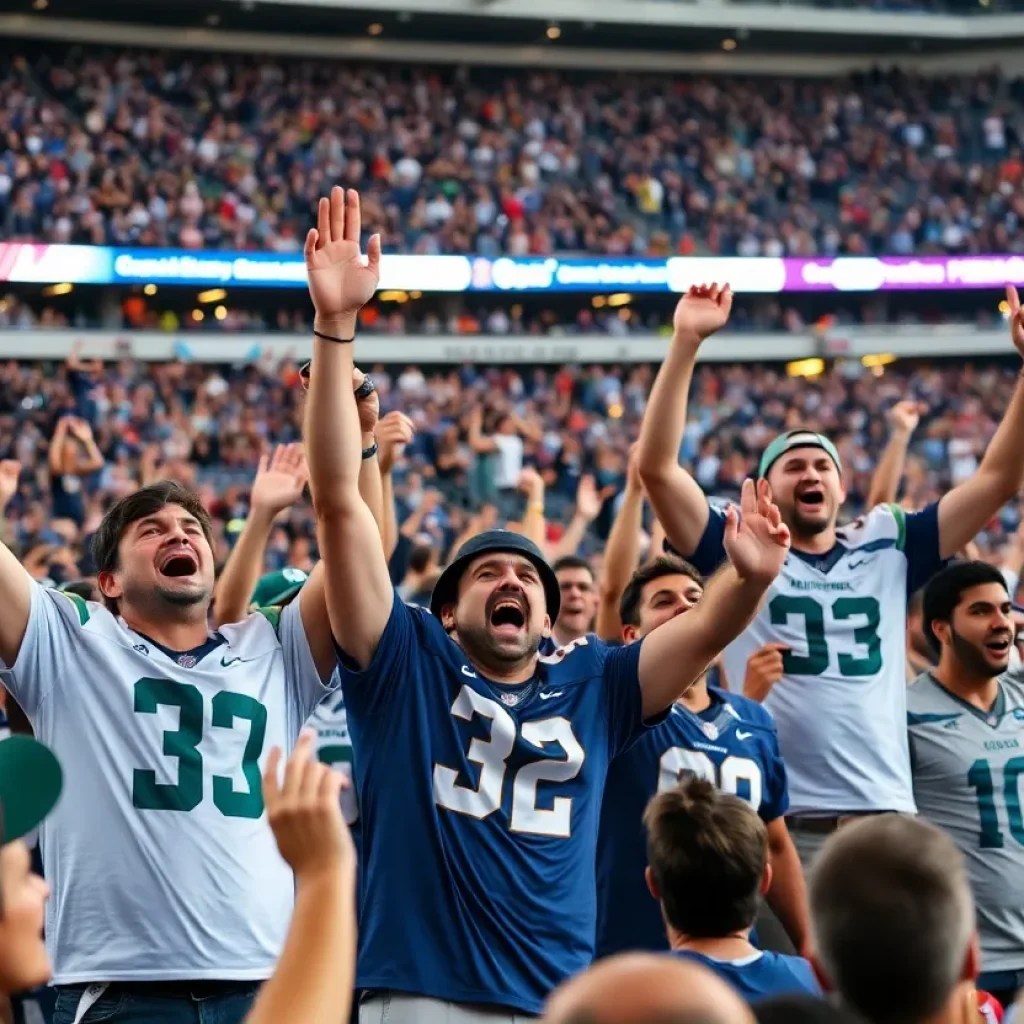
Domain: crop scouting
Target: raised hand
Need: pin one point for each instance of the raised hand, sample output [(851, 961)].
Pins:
[(368, 405), (341, 280), (588, 501), (904, 416), (531, 483), (305, 812), (764, 670), (10, 472), (280, 480), (703, 310), (756, 539), (394, 432), (1016, 319)]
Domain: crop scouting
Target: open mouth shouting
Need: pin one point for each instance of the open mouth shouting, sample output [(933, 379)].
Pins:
[(506, 614), (998, 646), (179, 563), (811, 500)]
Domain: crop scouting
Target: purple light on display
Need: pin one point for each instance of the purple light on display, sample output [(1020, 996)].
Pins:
[(902, 273)]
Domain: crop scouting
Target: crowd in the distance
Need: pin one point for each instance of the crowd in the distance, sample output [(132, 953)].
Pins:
[(155, 148), (207, 425)]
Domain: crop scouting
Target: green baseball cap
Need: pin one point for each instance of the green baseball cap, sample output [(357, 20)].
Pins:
[(278, 588), (797, 439), (30, 783)]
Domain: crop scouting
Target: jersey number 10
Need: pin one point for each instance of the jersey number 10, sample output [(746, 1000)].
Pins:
[(493, 753)]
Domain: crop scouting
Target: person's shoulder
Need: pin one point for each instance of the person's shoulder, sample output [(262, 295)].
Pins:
[(750, 712), (580, 658), (885, 522)]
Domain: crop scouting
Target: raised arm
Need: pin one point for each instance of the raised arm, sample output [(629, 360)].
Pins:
[(359, 591), (313, 980), (534, 525), (967, 508), (394, 432), (675, 655), (371, 483), (56, 452), (621, 554), (588, 508), (15, 582), (675, 496), (885, 482), (279, 483), (93, 458)]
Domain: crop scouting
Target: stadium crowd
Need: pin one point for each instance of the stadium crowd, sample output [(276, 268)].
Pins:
[(619, 795), (208, 425), (145, 148)]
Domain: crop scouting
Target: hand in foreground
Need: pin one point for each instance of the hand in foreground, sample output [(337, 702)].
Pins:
[(341, 280), (305, 812), (703, 310), (764, 670), (756, 539), (394, 432)]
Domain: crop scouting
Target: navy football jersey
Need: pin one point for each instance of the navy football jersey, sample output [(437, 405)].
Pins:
[(761, 975), (732, 744), (480, 807)]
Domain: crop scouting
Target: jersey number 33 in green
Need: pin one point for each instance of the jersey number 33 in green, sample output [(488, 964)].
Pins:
[(183, 743), (865, 662)]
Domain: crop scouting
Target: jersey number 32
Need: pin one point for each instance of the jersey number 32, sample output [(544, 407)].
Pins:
[(492, 754)]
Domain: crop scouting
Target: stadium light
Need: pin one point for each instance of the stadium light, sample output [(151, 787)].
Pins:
[(211, 295), (58, 289), (553, 32), (150, 289), (805, 368)]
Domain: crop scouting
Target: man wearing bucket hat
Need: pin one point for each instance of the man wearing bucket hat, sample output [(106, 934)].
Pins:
[(480, 763), (838, 610)]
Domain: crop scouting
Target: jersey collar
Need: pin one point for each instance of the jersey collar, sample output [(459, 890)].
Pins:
[(992, 717)]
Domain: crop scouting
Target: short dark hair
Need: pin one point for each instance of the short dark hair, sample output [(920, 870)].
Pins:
[(572, 562), (707, 851), (802, 1009), (945, 589), (663, 565), (892, 917), (420, 557), (146, 501)]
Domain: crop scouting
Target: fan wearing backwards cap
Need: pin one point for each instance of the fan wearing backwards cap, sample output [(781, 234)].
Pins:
[(480, 764), (837, 612)]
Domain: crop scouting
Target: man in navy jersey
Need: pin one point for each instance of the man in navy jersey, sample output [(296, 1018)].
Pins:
[(708, 854), (719, 736), (480, 764)]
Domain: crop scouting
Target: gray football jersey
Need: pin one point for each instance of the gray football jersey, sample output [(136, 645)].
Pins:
[(967, 768)]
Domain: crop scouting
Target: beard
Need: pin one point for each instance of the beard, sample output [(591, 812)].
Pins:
[(973, 658), (801, 526), (159, 598), (484, 648)]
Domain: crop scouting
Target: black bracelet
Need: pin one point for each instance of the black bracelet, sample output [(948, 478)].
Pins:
[(331, 337), (368, 453), (365, 389)]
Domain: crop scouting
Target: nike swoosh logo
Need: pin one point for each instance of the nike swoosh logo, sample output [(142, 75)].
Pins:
[(741, 735), (228, 662), (548, 696), (857, 565)]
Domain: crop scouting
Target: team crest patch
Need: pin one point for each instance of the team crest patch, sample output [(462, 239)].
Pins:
[(187, 660), (511, 699), (710, 730)]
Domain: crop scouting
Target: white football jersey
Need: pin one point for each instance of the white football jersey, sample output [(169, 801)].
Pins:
[(840, 708), (159, 855)]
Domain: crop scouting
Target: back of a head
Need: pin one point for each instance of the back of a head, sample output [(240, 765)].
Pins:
[(644, 988), (707, 851), (802, 1009), (892, 917)]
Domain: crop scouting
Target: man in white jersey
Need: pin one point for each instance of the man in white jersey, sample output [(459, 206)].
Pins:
[(839, 604), (966, 724), (170, 901)]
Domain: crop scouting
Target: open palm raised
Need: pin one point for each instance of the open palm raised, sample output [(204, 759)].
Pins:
[(341, 280), (756, 539)]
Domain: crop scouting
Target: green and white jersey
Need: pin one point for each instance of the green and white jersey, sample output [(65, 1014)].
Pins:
[(334, 747), (967, 769), (840, 708), (159, 854)]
